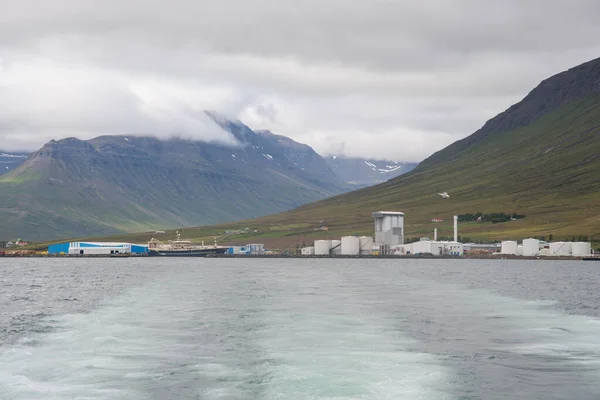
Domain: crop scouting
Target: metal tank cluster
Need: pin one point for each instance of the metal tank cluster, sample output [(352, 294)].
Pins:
[(534, 247)]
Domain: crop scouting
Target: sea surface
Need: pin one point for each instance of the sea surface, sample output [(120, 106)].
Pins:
[(299, 329)]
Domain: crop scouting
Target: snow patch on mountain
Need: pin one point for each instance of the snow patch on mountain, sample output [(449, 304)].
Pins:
[(366, 172)]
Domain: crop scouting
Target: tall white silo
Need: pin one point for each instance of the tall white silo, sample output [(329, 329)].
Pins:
[(581, 249), (322, 247), (509, 247), (366, 245), (350, 245), (560, 248), (531, 247)]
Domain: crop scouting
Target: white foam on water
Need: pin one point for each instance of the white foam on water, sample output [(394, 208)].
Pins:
[(113, 352), (551, 346), (343, 349), (186, 338)]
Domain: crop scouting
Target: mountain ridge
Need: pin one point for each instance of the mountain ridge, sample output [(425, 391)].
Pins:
[(547, 96), (110, 184)]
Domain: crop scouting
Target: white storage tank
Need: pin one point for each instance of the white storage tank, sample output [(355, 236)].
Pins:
[(531, 247), (509, 247), (366, 245), (581, 249), (336, 247), (520, 250), (560, 248), (350, 246), (308, 251), (322, 247)]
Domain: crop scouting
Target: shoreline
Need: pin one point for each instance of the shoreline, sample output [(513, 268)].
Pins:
[(295, 256)]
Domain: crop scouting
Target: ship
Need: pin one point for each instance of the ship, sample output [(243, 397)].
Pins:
[(182, 248)]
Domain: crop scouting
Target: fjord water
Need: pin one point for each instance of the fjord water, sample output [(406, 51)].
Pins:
[(298, 329)]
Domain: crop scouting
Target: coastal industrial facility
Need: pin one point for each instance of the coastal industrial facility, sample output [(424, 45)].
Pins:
[(388, 240)]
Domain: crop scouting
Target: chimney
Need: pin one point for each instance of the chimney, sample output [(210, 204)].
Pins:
[(456, 228), (435, 234)]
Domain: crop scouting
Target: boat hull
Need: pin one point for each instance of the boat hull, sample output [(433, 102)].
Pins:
[(186, 253)]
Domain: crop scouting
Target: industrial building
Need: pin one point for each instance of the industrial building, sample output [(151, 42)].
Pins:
[(389, 240), (434, 247), (389, 230), (97, 248), (255, 248)]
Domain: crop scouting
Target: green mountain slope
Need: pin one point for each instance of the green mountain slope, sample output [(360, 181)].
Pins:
[(547, 170), (541, 158)]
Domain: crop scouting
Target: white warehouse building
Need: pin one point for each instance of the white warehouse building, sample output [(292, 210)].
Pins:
[(434, 247)]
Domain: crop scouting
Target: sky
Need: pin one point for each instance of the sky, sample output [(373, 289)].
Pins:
[(390, 79)]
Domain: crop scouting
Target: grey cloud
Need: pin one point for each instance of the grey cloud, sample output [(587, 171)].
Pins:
[(397, 79)]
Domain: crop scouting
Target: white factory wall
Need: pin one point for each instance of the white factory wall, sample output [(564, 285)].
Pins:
[(434, 247), (99, 250), (421, 247)]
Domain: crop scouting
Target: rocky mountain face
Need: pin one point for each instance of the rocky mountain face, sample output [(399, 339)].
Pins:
[(363, 172), (111, 184), (11, 160)]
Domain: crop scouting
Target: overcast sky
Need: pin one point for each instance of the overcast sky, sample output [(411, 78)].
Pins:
[(395, 79)]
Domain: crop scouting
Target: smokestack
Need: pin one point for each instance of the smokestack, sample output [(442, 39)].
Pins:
[(435, 234), (456, 228)]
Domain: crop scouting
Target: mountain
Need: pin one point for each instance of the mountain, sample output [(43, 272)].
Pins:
[(539, 158), (111, 184), (367, 171), (11, 160)]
